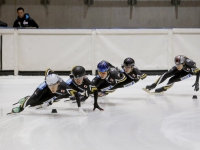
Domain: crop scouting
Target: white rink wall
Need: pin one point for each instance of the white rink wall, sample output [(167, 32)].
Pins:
[(61, 49)]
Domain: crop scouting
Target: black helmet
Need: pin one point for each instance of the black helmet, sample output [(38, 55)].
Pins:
[(180, 59), (128, 62), (78, 71)]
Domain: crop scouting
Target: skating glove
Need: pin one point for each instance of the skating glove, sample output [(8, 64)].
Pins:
[(196, 86), (81, 112), (143, 76), (46, 103), (97, 106), (101, 94), (118, 69)]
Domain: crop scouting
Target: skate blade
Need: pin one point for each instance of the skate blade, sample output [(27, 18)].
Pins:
[(11, 113), (146, 90), (68, 99), (39, 107), (151, 92), (16, 103), (156, 93), (80, 101), (56, 101)]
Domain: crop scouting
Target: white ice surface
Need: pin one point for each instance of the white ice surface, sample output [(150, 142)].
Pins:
[(132, 119)]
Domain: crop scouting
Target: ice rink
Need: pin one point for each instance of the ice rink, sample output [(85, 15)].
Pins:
[(132, 119)]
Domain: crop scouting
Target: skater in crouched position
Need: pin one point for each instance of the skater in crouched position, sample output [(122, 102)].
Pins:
[(79, 81), (51, 90), (132, 73), (107, 78), (183, 69)]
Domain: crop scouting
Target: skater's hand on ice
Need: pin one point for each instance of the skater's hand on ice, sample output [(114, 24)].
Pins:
[(101, 94), (196, 86), (81, 112), (97, 106), (46, 103)]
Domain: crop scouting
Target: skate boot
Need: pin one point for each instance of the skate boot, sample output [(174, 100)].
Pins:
[(22, 100), (150, 87), (160, 90), (19, 108), (16, 110)]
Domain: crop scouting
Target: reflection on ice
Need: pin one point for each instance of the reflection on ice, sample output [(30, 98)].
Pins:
[(132, 119)]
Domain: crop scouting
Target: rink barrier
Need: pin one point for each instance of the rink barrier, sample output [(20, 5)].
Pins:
[(41, 73), (88, 72), (31, 51), (153, 72), (66, 73), (1, 52), (6, 72), (149, 72)]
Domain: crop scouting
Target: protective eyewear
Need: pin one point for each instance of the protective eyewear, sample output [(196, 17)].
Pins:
[(52, 85), (78, 77), (127, 67), (179, 64)]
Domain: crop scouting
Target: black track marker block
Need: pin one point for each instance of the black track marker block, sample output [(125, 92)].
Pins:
[(54, 111)]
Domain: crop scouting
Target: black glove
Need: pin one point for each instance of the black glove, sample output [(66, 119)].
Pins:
[(101, 94), (118, 69), (97, 106), (143, 76), (196, 86)]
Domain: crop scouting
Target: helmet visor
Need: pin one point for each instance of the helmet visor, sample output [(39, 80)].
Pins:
[(103, 70), (78, 77), (51, 85)]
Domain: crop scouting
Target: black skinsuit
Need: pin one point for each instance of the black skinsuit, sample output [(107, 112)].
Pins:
[(131, 78), (87, 87), (105, 85), (189, 69), (43, 93)]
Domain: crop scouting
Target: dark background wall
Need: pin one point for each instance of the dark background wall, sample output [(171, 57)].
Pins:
[(106, 14)]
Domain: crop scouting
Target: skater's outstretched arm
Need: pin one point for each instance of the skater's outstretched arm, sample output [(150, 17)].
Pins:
[(92, 89), (196, 84), (190, 66)]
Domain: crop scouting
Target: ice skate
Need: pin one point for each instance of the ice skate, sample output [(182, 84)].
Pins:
[(16, 110), (22, 100)]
